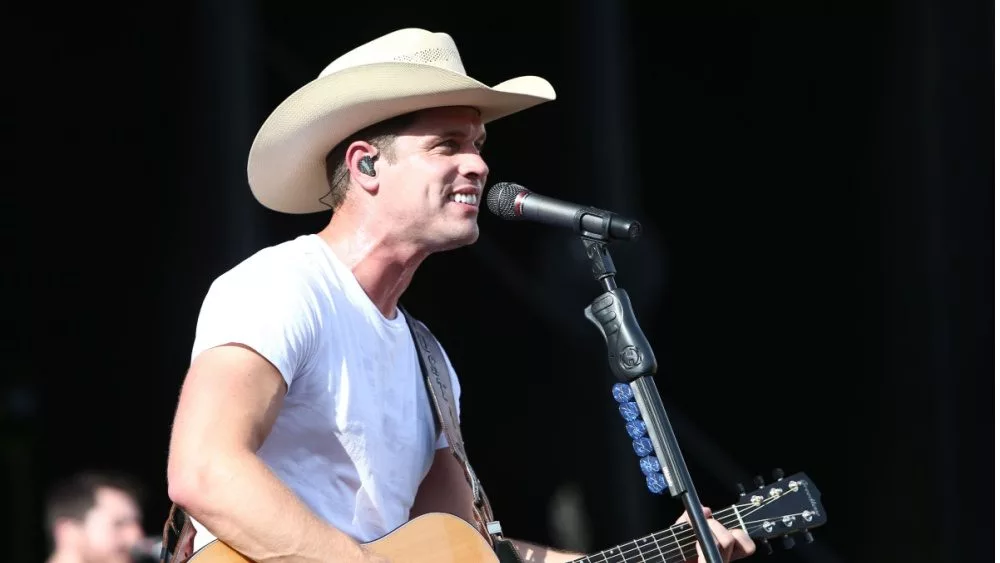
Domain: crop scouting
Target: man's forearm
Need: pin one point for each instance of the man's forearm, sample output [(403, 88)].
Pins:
[(245, 505), (534, 553)]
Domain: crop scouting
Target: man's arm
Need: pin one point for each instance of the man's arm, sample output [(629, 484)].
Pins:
[(228, 404), (533, 553), (445, 489)]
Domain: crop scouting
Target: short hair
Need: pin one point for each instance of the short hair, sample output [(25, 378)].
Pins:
[(74, 496), (381, 135)]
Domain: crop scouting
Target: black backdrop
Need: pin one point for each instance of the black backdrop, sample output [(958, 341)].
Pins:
[(814, 182)]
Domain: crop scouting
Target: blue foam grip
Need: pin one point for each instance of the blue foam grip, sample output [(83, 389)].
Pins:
[(635, 428), (629, 410), (649, 465), (656, 483), (621, 392), (642, 446)]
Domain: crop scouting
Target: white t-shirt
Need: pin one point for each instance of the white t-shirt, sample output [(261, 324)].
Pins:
[(355, 435)]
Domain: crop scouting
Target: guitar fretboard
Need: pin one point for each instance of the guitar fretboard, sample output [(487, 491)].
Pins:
[(673, 545)]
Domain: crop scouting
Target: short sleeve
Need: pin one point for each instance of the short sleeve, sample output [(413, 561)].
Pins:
[(265, 307), (442, 441)]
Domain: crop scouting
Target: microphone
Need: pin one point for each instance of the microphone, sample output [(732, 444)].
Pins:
[(513, 202)]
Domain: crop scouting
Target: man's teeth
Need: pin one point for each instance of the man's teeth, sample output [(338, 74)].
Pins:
[(465, 198)]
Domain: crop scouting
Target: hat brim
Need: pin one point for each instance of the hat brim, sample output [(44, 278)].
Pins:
[(287, 163)]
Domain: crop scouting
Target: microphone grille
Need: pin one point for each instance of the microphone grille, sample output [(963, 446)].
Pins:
[(501, 197)]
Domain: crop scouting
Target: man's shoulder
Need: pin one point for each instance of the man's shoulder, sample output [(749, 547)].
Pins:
[(282, 259)]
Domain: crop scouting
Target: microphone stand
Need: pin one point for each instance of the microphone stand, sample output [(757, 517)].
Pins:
[(633, 364)]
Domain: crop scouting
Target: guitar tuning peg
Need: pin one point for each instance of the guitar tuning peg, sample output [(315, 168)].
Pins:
[(767, 546), (788, 542), (778, 474), (759, 481), (808, 536), (740, 489)]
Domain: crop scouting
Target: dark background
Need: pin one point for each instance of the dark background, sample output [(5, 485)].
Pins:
[(815, 278)]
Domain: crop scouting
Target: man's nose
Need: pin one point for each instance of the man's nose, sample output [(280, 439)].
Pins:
[(473, 165)]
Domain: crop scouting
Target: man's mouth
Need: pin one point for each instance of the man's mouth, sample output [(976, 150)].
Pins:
[(468, 199)]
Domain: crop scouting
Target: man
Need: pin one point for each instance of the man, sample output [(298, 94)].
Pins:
[(303, 429), (93, 518)]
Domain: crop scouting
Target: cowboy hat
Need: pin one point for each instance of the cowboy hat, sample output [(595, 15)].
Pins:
[(401, 72)]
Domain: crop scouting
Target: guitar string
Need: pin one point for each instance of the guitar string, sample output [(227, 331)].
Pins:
[(752, 526), (725, 519), (735, 516), (737, 513), (658, 550), (669, 536), (671, 555), (722, 516), (727, 516)]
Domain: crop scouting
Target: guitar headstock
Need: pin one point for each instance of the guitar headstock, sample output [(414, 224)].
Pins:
[(786, 506)]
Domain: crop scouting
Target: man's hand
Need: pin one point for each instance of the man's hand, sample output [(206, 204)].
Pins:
[(733, 544)]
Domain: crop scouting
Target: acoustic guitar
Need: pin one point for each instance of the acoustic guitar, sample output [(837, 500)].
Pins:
[(787, 506)]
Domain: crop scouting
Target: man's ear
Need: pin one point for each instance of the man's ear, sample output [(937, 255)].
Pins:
[(361, 158)]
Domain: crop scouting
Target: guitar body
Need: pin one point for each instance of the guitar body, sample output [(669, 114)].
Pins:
[(430, 538)]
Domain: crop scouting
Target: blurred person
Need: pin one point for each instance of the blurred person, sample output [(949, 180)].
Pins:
[(304, 430), (94, 517)]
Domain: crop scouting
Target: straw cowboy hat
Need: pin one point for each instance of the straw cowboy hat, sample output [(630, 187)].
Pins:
[(404, 71)]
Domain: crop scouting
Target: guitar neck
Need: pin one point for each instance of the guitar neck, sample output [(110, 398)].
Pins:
[(675, 544)]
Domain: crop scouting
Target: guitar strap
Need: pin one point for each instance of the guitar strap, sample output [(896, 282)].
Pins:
[(178, 536), (442, 401)]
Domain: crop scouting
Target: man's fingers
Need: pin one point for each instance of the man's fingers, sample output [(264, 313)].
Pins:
[(745, 546), (724, 541), (684, 516), (732, 544), (723, 538)]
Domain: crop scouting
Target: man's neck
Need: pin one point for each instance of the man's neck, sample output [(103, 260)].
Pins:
[(383, 268)]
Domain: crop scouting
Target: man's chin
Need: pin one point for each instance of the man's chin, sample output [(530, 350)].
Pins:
[(471, 237), (458, 240)]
